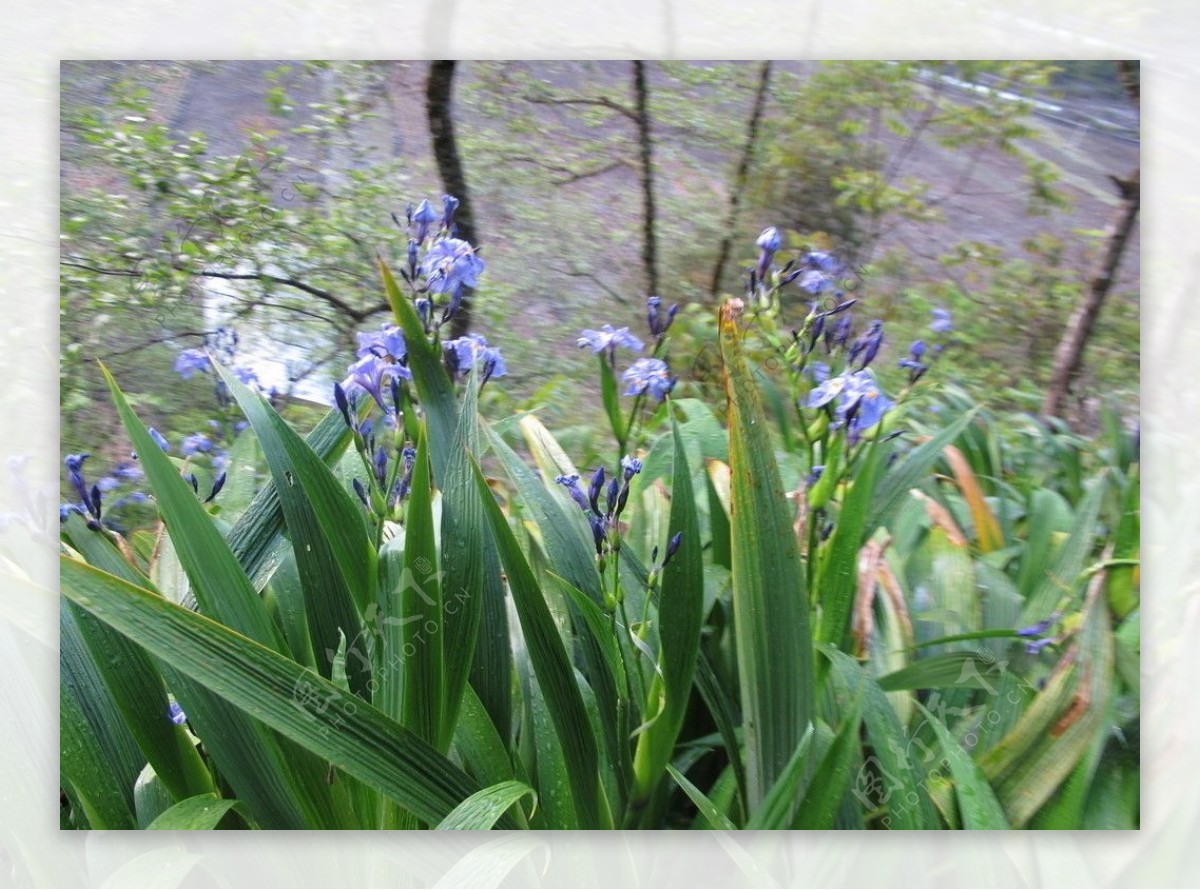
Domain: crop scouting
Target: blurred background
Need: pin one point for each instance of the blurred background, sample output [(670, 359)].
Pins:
[(257, 195)]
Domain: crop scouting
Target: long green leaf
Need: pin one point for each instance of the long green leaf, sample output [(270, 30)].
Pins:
[(256, 539), (707, 808), (132, 679), (279, 784), (977, 804), (889, 779), (680, 616), (950, 669), (838, 580), (480, 811), (350, 734), (422, 697), (334, 555), (779, 805), (1072, 556), (434, 385), (569, 548), (199, 813), (471, 585), (98, 758), (555, 675), (908, 473), (217, 579), (774, 646)]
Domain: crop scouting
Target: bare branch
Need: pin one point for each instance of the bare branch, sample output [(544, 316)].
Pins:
[(597, 101)]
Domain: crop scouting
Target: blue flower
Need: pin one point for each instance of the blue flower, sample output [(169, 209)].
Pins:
[(388, 341), (867, 345), (176, 715), (467, 351), (368, 374), (449, 208), (768, 243), (654, 317), (197, 442), (818, 371), (247, 377), (942, 322), (631, 467), (451, 265), (107, 483), (190, 361), (648, 375), (1036, 630), (423, 217), (571, 484), (159, 439), (828, 390), (861, 404), (769, 240), (609, 338)]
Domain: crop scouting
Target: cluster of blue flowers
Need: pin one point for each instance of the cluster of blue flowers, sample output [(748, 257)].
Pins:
[(440, 268), (646, 376), (1036, 634), (853, 397)]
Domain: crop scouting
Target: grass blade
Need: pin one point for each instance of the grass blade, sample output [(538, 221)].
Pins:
[(334, 725), (199, 813), (977, 803), (680, 616), (774, 646), (257, 536), (707, 808), (218, 580), (908, 473), (334, 555), (422, 677), (433, 384), (553, 669), (480, 811)]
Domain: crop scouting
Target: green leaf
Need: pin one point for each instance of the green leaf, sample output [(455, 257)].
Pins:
[(200, 813), (838, 581), (950, 669), (132, 679), (257, 537), (350, 734), (779, 805), (721, 706), (555, 675), (908, 473), (610, 397), (568, 545), (892, 781), (1060, 580), (217, 579), (472, 589), (774, 646), (977, 803), (334, 554), (679, 619), (718, 820), (98, 758), (480, 811), (434, 385), (422, 676)]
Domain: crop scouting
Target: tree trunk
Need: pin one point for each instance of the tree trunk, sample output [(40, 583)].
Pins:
[(439, 90), (1068, 358), (742, 176), (649, 245)]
